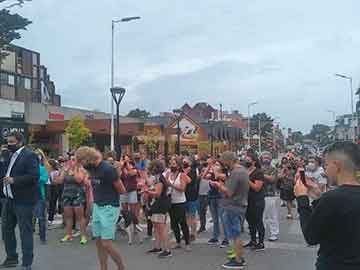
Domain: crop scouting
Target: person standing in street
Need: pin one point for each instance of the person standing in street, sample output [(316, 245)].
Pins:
[(40, 207), (235, 203), (106, 185), (20, 187), (256, 203), (272, 210), (333, 221)]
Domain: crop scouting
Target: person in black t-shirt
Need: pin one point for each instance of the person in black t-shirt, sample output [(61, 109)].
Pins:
[(333, 221), (106, 188), (256, 202)]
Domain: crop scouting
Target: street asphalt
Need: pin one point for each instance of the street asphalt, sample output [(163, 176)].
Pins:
[(289, 252)]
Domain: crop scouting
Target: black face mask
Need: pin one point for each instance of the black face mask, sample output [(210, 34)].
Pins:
[(13, 147), (89, 166), (185, 165), (248, 164), (173, 169)]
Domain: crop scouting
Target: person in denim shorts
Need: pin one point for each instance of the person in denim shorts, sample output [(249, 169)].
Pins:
[(235, 202)]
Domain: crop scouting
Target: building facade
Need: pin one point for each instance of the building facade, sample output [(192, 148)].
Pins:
[(23, 78)]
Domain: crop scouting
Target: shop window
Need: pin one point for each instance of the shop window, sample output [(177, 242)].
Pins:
[(11, 80), (27, 83)]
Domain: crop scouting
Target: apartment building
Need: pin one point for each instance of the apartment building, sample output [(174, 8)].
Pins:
[(23, 78)]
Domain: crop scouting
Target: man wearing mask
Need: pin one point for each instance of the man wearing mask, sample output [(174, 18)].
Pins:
[(271, 212), (332, 221), (235, 203), (316, 173), (19, 186), (106, 187)]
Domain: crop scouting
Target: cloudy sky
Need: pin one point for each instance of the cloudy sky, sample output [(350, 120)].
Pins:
[(282, 54)]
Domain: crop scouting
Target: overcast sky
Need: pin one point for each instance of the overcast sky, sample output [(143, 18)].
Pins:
[(280, 53)]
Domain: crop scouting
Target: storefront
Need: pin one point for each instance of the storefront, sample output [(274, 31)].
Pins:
[(10, 125)]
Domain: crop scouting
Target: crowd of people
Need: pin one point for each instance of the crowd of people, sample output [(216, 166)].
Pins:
[(90, 188)]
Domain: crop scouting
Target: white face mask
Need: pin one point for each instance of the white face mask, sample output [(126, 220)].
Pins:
[(312, 166)]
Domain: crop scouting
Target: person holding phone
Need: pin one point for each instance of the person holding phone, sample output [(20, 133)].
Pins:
[(332, 221)]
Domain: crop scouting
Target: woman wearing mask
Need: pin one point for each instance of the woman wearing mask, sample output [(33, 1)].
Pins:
[(177, 181), (159, 202), (40, 207), (256, 202), (74, 200)]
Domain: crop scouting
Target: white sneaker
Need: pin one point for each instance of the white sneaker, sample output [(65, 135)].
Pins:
[(273, 238)]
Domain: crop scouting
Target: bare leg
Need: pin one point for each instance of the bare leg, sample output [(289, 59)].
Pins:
[(102, 255), (114, 254), (68, 217), (164, 236), (289, 208), (239, 250), (157, 236), (80, 217)]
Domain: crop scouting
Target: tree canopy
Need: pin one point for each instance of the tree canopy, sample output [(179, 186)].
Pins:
[(138, 113), (10, 24), (77, 132)]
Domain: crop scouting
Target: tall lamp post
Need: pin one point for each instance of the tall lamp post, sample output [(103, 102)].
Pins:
[(249, 116), (178, 113), (117, 94), (113, 22), (211, 124), (351, 100)]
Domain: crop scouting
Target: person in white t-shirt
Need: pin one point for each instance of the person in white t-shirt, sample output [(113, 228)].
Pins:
[(316, 173)]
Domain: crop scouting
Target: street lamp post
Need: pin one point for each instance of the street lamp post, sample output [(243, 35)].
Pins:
[(113, 22), (178, 114), (211, 123), (249, 116), (117, 94), (351, 100)]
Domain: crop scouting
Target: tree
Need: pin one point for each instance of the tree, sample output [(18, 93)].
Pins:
[(318, 132), (297, 137), (10, 24), (266, 124), (77, 132), (137, 113), (151, 140)]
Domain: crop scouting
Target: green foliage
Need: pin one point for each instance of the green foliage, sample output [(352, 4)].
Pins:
[(137, 113), (77, 132), (297, 137), (204, 146), (151, 140), (266, 124), (10, 24), (318, 132)]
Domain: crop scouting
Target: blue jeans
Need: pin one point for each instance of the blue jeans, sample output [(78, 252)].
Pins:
[(217, 215), (17, 214), (39, 211)]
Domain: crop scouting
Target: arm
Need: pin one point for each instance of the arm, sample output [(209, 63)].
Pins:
[(258, 183), (44, 176), (119, 186), (314, 221), (183, 182), (157, 192)]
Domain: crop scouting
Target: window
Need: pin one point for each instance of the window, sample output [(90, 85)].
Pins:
[(35, 59), (35, 72), (17, 115), (27, 83), (11, 80), (3, 79)]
